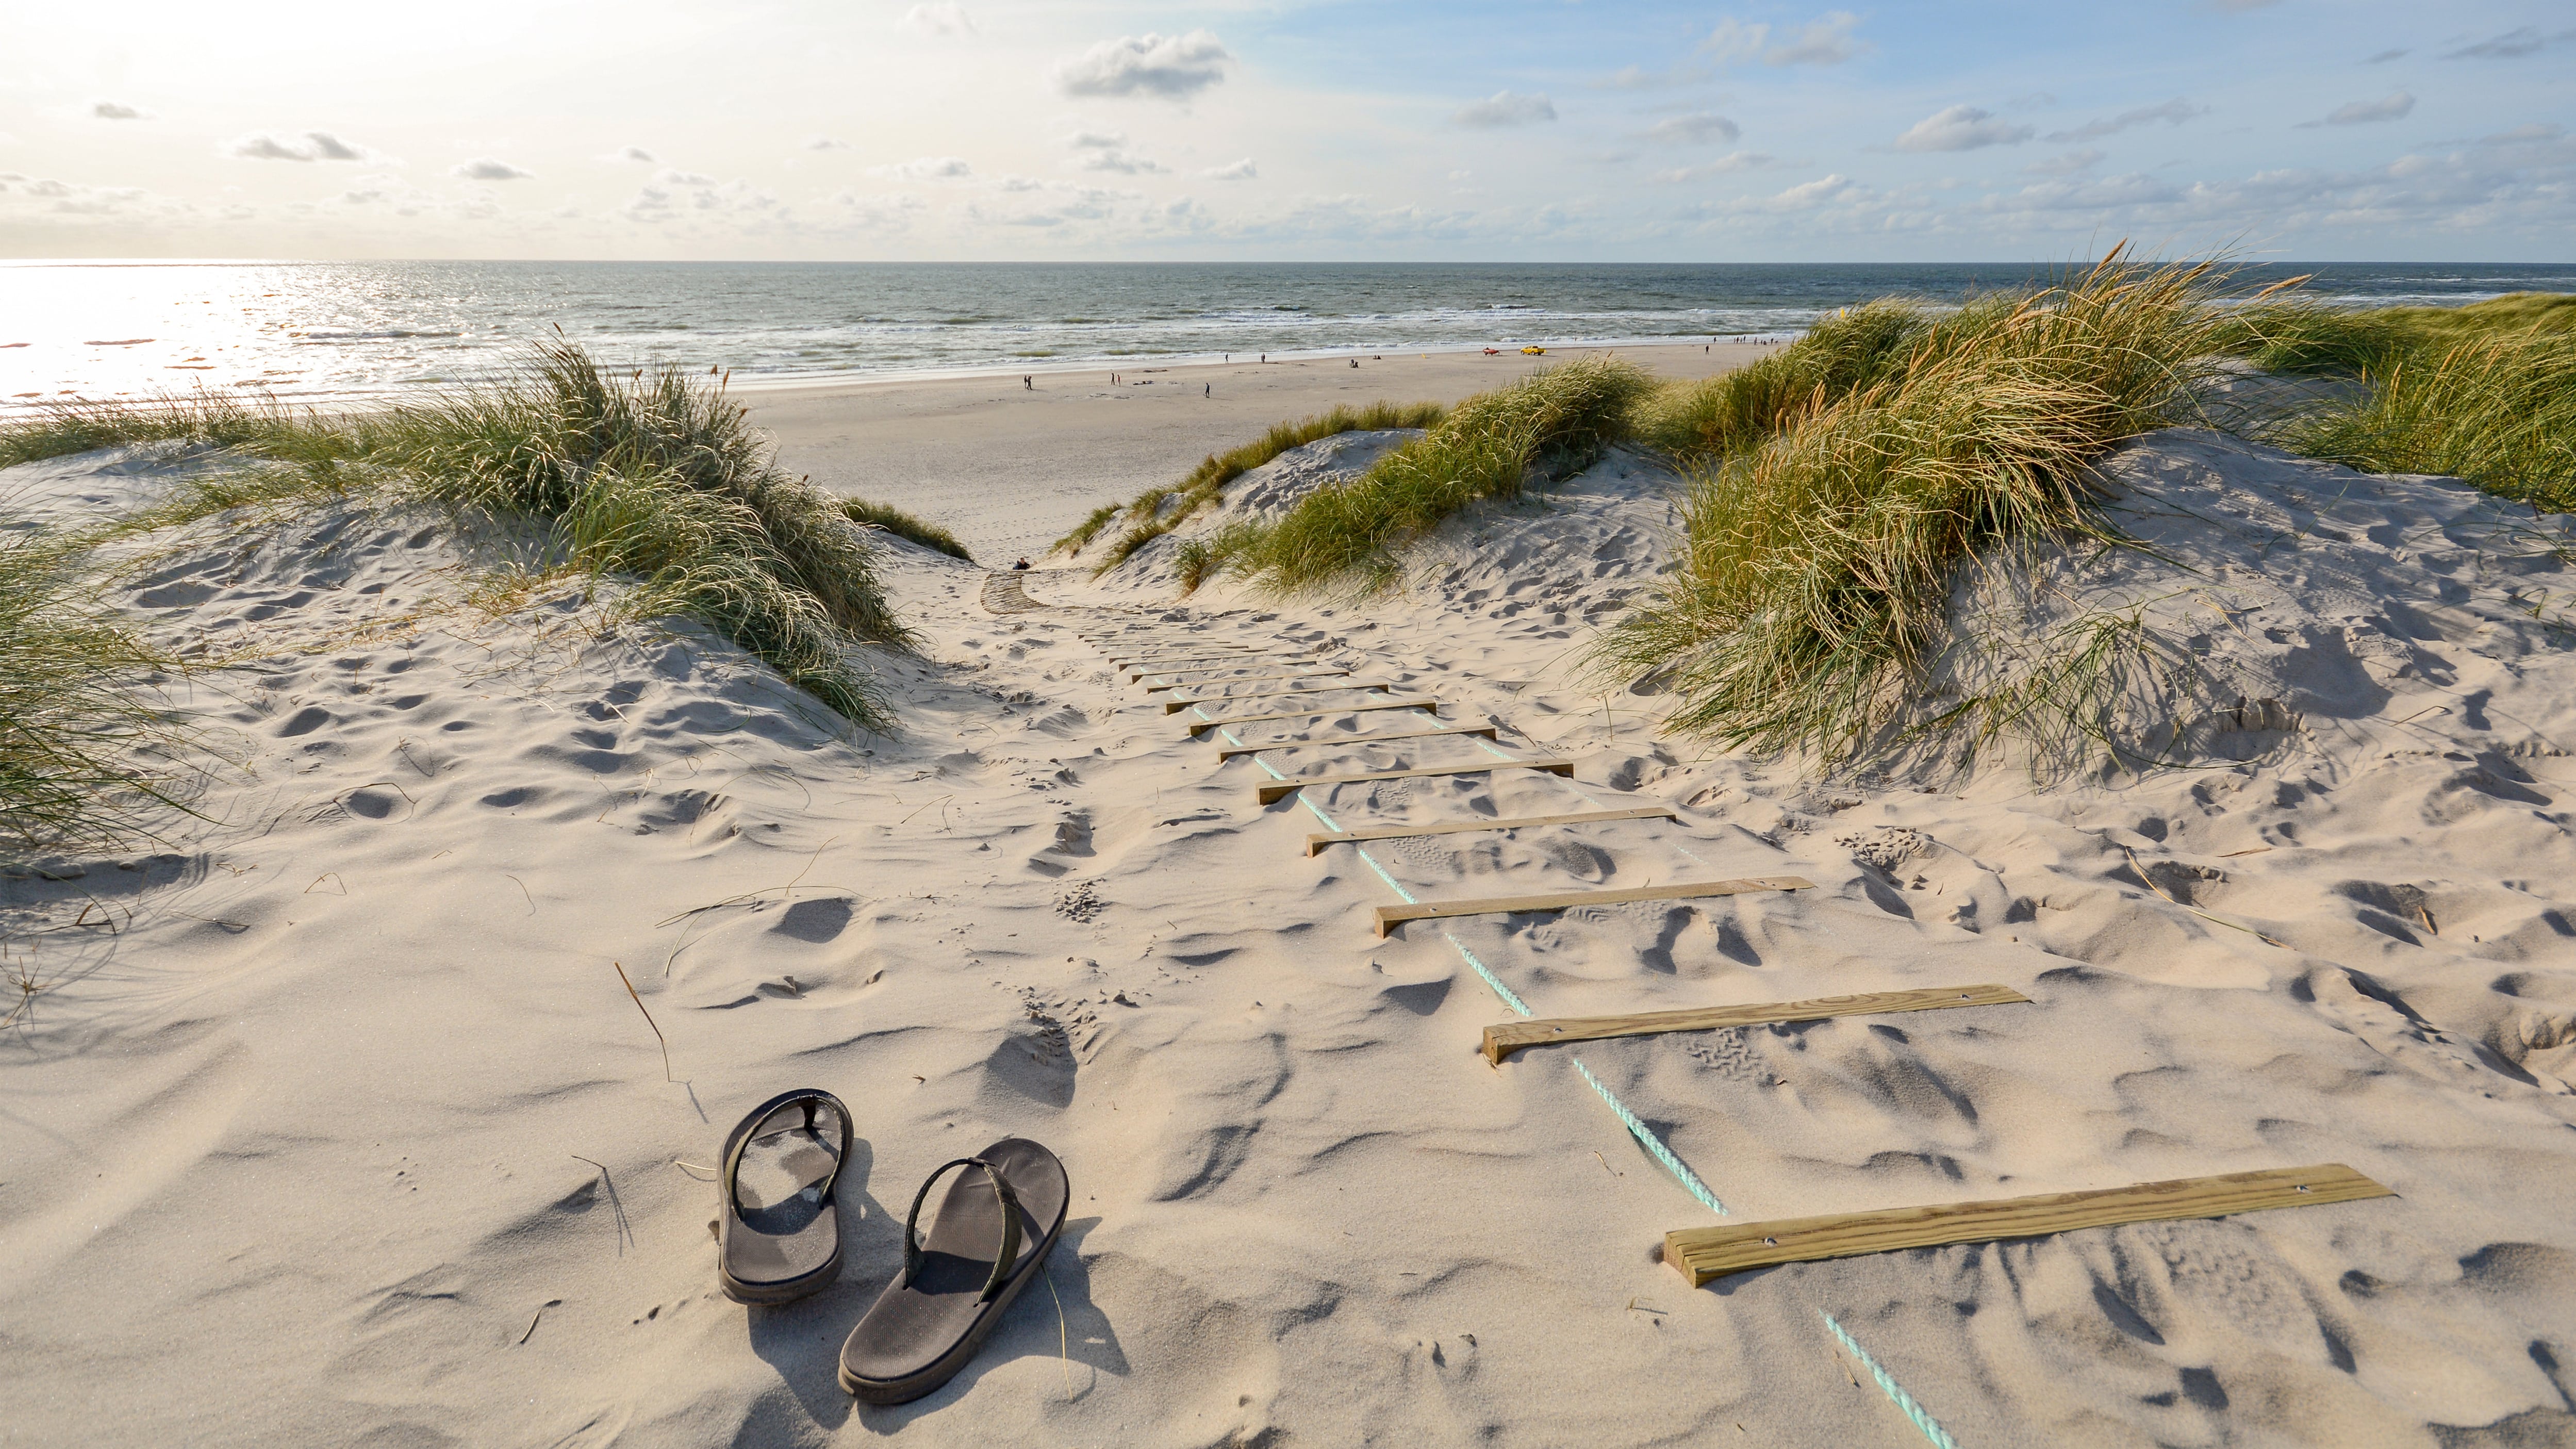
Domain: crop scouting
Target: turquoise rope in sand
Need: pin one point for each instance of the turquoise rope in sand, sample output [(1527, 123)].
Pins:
[(1915, 1413), (1645, 1135), (1896, 1394)]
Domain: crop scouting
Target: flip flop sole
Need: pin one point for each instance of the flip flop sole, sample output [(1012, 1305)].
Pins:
[(928, 1381), (784, 1290)]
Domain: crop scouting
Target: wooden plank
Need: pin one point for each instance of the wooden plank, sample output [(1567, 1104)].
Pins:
[(1510, 1036), (1490, 732), (1390, 917), (1319, 673), (1700, 1254), (1175, 706), (1201, 727), (1157, 661), (1200, 666), (1281, 789), (1316, 842)]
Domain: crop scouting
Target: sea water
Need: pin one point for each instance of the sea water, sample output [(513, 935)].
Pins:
[(318, 330)]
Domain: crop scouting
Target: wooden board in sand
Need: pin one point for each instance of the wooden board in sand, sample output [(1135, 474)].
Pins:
[(1700, 1254), (1317, 841), (1210, 666), (1175, 706), (1390, 917), (1508, 1037), (1320, 671), (1281, 789), (1203, 726), (1343, 742)]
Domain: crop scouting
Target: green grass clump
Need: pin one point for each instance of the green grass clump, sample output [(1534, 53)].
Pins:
[(1818, 562), (1702, 421), (651, 474), (1161, 508), (2298, 336), (83, 735), (1088, 529), (1553, 422), (2497, 409), (903, 525)]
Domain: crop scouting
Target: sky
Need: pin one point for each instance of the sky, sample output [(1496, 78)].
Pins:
[(1515, 130)]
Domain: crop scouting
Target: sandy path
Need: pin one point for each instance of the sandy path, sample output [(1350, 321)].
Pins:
[(1009, 470)]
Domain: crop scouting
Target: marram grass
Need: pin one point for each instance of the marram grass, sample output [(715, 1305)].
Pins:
[(2496, 408), (651, 474), (1552, 423), (1818, 561), (86, 744), (1160, 509), (905, 526)]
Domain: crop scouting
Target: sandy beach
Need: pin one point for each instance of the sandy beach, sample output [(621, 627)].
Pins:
[(333, 1120), (948, 448)]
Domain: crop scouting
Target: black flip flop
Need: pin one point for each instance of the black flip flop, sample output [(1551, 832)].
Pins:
[(789, 1243), (996, 1226)]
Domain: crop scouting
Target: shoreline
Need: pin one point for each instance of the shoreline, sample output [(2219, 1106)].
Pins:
[(1010, 468)]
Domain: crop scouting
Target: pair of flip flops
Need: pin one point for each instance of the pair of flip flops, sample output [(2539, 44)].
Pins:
[(779, 1239)]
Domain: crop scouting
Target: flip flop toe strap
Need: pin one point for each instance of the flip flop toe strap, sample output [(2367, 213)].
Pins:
[(809, 1099), (1010, 1254)]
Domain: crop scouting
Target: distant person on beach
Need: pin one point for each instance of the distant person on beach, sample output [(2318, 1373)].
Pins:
[(1030, 383), (1024, 563), (1207, 389)]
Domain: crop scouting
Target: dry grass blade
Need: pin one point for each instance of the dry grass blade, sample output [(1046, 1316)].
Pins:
[(648, 1021)]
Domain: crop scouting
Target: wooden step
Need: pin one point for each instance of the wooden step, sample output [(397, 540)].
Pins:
[(1175, 706), (1318, 673), (1508, 1037), (1390, 917), (1316, 842), (1700, 1254), (1346, 741), (1201, 666), (1360, 707), (1280, 789)]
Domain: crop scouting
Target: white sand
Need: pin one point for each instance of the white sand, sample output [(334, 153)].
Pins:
[(294, 1147)]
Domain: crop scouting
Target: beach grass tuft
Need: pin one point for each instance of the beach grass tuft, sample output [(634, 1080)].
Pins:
[(86, 741), (1551, 424), (903, 525), (2497, 408), (1818, 561), (654, 474), (1161, 508)]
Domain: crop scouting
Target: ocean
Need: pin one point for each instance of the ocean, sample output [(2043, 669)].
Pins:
[(311, 331)]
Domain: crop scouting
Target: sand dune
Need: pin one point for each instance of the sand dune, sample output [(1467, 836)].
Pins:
[(344, 1127)]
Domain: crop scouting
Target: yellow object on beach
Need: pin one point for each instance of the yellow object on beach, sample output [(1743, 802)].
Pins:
[(1533, 352)]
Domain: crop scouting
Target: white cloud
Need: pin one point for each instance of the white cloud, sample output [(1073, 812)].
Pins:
[(1696, 129), (2360, 113), (1097, 140), (1506, 108), (1810, 194), (484, 168), (1168, 67), (1824, 41), (2512, 45), (632, 153), (314, 146), (111, 111), (1124, 163), (669, 177), (825, 143), (1242, 170), (1731, 162), (2173, 113), (2065, 165), (939, 17), (2385, 56), (925, 168), (1962, 128)]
